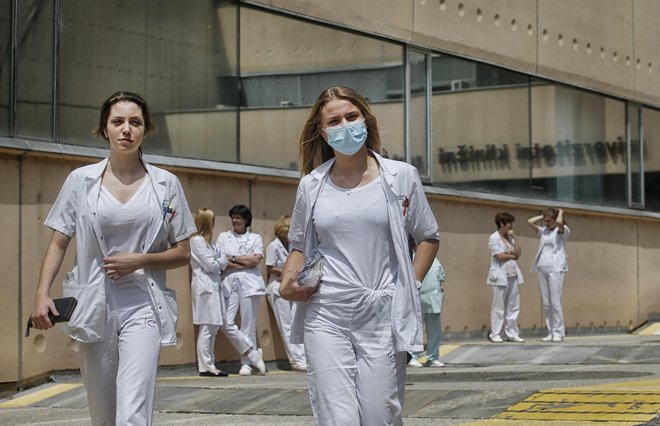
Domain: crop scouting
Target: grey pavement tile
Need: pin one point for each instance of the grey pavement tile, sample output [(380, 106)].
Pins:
[(296, 405), (633, 354), (504, 354), (466, 404), (186, 399), (418, 399), (74, 398)]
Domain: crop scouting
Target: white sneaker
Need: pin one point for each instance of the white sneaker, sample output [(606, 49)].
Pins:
[(516, 339), (299, 367), (557, 339), (436, 363), (414, 363), (495, 339), (547, 338), (245, 370), (259, 363)]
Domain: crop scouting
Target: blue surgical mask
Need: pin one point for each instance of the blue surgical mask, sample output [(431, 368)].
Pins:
[(347, 138)]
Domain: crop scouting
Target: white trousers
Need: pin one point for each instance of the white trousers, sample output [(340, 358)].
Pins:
[(284, 310), (244, 339), (120, 372), (552, 285), (206, 347), (354, 375), (505, 309)]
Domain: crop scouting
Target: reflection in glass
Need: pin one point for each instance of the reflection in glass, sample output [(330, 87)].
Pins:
[(417, 118), (5, 65), (480, 124), (578, 149), (287, 63), (651, 126), (180, 55), (635, 155), (34, 69)]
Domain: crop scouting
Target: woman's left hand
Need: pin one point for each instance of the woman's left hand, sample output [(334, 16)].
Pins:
[(121, 264), (292, 291)]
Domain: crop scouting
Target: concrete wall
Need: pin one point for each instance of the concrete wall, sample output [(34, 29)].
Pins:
[(607, 45), (612, 280)]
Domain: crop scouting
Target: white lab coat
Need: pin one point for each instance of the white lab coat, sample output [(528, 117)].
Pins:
[(249, 282), (497, 272), (206, 262), (75, 213), (409, 214)]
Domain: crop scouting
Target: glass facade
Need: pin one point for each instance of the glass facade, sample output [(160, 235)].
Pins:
[(5, 66), (232, 83), (418, 119), (34, 69), (651, 163), (180, 56)]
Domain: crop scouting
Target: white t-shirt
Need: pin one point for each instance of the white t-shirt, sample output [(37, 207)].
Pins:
[(125, 228), (355, 240)]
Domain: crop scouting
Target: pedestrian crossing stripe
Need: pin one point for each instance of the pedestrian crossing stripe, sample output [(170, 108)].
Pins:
[(39, 395)]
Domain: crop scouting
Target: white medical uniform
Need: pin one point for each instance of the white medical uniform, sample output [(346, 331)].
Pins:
[(366, 312), (276, 255), (206, 262), (120, 325), (242, 288), (504, 277), (551, 264)]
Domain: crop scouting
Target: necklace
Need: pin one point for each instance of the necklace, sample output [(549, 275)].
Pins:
[(350, 189)]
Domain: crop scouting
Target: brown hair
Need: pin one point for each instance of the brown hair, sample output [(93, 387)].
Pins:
[(149, 126), (553, 213), (204, 219), (313, 149), (282, 227), (503, 218)]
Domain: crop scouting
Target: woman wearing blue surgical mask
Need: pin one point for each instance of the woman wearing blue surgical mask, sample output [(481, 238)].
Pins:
[(356, 209)]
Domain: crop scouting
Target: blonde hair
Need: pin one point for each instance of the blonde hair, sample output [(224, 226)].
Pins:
[(313, 149), (282, 227), (204, 219)]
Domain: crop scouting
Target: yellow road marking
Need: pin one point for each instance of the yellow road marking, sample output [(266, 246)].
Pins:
[(652, 329), (587, 405), (445, 349), (34, 397)]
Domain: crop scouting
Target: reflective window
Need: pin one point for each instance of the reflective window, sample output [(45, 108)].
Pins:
[(287, 63), (180, 55), (34, 69), (417, 117), (578, 146), (636, 170), (5, 65), (480, 121), (651, 121)]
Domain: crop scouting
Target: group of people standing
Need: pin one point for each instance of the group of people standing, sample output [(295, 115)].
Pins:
[(226, 280), (504, 275)]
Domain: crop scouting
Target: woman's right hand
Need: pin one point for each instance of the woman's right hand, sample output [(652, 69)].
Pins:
[(292, 291), (43, 305)]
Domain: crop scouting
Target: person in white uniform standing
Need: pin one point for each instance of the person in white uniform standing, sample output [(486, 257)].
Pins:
[(131, 222), (551, 265), (504, 277), (276, 254), (206, 263), (356, 209), (242, 281)]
